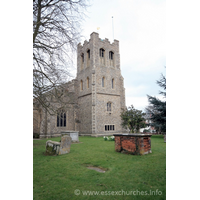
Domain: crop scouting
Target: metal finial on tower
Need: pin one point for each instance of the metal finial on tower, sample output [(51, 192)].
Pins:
[(113, 27)]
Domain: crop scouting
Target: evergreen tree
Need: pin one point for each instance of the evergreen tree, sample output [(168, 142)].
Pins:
[(132, 119), (157, 109)]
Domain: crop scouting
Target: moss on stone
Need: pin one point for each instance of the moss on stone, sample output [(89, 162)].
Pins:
[(50, 150)]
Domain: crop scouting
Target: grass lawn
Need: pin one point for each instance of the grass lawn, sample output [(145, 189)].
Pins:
[(127, 176)]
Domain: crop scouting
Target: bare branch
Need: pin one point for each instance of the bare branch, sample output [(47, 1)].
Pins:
[(56, 33)]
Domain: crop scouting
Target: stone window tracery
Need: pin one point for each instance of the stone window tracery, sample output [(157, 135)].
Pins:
[(109, 127), (61, 119)]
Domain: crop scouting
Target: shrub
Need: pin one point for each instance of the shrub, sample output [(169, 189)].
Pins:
[(107, 138)]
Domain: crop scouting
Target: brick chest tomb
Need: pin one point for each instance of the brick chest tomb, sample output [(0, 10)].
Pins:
[(136, 144)]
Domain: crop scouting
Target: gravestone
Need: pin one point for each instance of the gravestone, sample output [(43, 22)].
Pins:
[(65, 144), (58, 148), (72, 134), (52, 147)]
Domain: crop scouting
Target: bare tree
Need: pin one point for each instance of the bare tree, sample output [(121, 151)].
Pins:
[(56, 32)]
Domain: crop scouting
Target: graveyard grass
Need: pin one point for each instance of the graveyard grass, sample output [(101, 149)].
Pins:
[(59, 177)]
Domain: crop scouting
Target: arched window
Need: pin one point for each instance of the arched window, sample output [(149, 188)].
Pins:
[(103, 81), (111, 54), (101, 53), (111, 58), (113, 83), (82, 60), (81, 85), (102, 56), (88, 57), (108, 106), (61, 118), (88, 82)]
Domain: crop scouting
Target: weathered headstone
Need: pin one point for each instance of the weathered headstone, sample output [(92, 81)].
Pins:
[(65, 144), (72, 134), (52, 147), (59, 148)]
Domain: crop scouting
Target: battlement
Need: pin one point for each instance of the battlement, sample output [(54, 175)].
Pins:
[(94, 37)]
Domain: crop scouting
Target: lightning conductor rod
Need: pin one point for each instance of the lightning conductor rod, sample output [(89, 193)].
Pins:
[(113, 27)]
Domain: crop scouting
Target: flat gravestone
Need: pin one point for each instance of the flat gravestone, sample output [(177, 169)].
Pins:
[(97, 169)]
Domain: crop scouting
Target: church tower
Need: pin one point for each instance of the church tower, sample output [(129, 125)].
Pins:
[(101, 93)]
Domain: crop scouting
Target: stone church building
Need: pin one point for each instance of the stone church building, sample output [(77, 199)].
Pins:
[(98, 94)]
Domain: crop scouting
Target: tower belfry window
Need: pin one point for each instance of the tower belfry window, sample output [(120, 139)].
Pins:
[(101, 52), (102, 56), (82, 60), (111, 55), (111, 58), (88, 53), (88, 58), (82, 57)]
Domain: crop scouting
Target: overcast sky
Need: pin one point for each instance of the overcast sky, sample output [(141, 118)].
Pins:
[(140, 27)]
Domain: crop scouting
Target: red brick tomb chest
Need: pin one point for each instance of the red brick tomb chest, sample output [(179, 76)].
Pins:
[(136, 144)]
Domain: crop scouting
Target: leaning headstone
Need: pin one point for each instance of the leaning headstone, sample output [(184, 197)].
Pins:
[(65, 144)]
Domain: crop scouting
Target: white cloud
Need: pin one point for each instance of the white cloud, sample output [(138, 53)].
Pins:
[(139, 103), (135, 91), (146, 38), (140, 28)]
